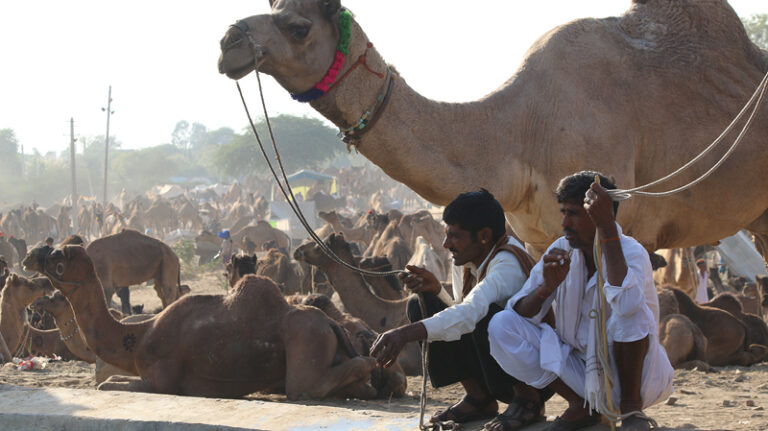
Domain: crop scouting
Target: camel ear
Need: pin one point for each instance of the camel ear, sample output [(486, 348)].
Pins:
[(330, 7)]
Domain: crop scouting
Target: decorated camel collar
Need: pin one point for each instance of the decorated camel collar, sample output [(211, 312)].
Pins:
[(350, 135)]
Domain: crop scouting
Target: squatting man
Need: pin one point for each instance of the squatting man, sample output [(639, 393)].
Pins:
[(565, 358), (489, 268), (562, 358)]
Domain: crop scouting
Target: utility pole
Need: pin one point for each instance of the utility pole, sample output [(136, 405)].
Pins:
[(72, 167), (22, 160), (106, 143)]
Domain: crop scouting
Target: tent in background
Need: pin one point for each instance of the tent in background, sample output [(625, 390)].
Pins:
[(304, 179)]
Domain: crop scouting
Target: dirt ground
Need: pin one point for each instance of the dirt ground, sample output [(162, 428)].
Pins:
[(731, 398)]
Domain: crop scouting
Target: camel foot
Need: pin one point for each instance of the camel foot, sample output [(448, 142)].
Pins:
[(124, 383)]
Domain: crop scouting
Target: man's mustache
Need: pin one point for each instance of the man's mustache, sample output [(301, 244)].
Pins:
[(452, 250), (569, 231)]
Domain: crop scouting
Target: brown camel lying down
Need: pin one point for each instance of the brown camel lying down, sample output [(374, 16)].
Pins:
[(20, 336), (726, 335), (685, 344), (212, 345), (388, 382), (757, 331)]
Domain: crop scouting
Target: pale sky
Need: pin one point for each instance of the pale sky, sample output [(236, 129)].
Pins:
[(58, 59)]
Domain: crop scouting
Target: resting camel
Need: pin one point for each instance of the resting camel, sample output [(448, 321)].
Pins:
[(393, 381), (726, 335), (129, 258), (58, 307), (757, 331), (273, 346), (379, 314), (20, 336), (685, 344), (635, 96)]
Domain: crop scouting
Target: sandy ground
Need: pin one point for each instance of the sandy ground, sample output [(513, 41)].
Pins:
[(731, 398)]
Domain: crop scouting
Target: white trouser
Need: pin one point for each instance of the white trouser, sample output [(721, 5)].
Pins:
[(516, 343)]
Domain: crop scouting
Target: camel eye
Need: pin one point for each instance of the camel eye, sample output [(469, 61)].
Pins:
[(299, 31)]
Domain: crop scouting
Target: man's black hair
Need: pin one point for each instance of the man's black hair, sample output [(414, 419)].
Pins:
[(475, 210), (573, 188)]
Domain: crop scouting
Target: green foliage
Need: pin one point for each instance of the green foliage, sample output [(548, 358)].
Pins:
[(193, 151), (302, 142), (10, 159), (757, 29), (185, 250)]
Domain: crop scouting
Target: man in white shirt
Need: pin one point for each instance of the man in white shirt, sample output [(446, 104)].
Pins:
[(565, 358), (489, 267), (701, 290)]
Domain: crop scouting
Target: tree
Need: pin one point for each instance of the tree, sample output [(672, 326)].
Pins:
[(303, 143), (10, 159), (180, 135), (757, 29)]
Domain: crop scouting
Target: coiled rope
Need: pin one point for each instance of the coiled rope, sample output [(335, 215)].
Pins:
[(756, 99)]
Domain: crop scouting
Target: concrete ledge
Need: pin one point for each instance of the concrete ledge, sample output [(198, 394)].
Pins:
[(25, 408)]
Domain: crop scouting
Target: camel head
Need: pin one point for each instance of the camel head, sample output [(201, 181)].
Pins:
[(295, 43), (34, 258), (239, 266), (63, 266), (312, 254), (25, 290), (55, 304)]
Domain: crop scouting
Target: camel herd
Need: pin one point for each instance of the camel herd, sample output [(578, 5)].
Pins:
[(295, 306)]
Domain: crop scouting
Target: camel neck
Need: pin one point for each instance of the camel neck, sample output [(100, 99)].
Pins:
[(112, 341), (433, 147), (13, 319), (380, 314), (69, 334)]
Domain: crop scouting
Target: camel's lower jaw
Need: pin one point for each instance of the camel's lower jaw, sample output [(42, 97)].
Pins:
[(238, 73)]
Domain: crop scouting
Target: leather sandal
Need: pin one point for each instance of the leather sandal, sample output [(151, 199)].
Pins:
[(452, 414), (520, 413), (562, 425)]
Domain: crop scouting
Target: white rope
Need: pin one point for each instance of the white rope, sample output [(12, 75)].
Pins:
[(756, 99), (289, 197)]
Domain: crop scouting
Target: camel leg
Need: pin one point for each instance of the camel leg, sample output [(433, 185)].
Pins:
[(124, 293), (689, 365), (754, 353), (6, 354), (125, 383), (310, 350)]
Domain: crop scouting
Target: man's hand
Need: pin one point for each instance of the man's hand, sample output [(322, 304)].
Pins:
[(420, 280), (599, 207), (557, 263), (387, 346)]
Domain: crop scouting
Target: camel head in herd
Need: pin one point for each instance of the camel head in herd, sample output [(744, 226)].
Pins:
[(296, 43), (26, 290), (55, 304), (311, 253), (66, 267)]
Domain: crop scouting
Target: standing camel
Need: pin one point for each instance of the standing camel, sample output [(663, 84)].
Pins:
[(129, 258), (634, 96), (212, 345)]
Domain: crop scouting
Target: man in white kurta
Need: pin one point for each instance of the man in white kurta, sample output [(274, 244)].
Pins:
[(703, 277), (489, 267), (565, 280)]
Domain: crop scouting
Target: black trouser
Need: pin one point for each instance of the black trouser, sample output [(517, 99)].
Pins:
[(467, 358)]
